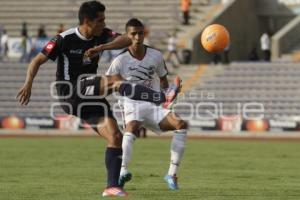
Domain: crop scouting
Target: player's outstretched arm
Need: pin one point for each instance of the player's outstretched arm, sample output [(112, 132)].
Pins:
[(118, 43), (24, 93)]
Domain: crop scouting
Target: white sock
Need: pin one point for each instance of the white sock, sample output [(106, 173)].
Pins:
[(127, 143), (177, 149)]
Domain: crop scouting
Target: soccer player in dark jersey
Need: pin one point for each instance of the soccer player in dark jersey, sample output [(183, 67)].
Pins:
[(83, 96)]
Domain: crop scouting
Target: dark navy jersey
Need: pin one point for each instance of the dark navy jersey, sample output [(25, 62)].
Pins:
[(68, 48)]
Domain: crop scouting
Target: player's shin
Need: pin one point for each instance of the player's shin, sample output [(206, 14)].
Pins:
[(113, 164), (127, 146), (177, 150), (142, 93)]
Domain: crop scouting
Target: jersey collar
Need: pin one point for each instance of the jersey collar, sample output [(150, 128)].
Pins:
[(81, 36), (141, 58)]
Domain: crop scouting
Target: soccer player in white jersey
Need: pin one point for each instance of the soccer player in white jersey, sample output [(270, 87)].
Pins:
[(144, 65)]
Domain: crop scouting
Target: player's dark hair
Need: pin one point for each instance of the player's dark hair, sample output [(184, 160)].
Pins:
[(89, 9), (134, 22)]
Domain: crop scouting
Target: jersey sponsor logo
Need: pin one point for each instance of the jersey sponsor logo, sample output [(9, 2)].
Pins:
[(49, 47), (141, 72), (76, 51)]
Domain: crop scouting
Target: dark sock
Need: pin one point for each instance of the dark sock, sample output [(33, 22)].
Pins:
[(142, 93), (113, 161)]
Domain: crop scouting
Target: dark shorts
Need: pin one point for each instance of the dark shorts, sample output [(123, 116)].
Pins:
[(84, 100)]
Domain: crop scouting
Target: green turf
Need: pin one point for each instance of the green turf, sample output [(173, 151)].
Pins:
[(73, 169)]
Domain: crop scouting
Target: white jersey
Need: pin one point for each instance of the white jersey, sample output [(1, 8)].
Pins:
[(144, 72), (147, 72)]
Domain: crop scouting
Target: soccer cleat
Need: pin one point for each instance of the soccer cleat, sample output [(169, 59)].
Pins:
[(172, 93), (124, 178), (114, 192), (172, 182)]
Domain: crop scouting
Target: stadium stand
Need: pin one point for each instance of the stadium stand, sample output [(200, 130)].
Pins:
[(161, 16), (275, 86)]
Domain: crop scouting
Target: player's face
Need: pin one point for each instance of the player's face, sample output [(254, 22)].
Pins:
[(96, 25), (136, 35)]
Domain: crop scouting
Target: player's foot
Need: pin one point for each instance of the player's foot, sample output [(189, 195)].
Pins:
[(124, 178), (114, 192), (172, 93), (172, 182)]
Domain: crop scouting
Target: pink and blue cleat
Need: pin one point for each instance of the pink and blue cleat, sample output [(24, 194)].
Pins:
[(114, 192), (172, 181)]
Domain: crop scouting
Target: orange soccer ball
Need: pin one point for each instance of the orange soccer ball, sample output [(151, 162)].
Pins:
[(215, 38)]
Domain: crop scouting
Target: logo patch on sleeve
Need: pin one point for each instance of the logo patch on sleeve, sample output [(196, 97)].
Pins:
[(49, 47)]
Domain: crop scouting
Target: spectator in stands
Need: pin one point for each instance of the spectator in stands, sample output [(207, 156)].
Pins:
[(226, 54), (185, 8), (265, 41), (24, 30), (60, 29), (38, 44), (172, 48), (216, 58), (24, 43), (1, 29), (4, 45), (42, 32), (253, 56)]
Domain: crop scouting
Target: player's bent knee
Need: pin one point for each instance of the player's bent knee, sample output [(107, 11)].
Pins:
[(133, 127), (181, 125), (116, 78)]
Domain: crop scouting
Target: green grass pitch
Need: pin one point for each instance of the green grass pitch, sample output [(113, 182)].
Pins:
[(73, 169)]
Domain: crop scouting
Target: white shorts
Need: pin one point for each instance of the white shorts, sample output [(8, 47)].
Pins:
[(148, 113)]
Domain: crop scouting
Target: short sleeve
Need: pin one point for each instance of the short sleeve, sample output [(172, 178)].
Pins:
[(53, 48), (161, 69), (109, 35), (115, 68)]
